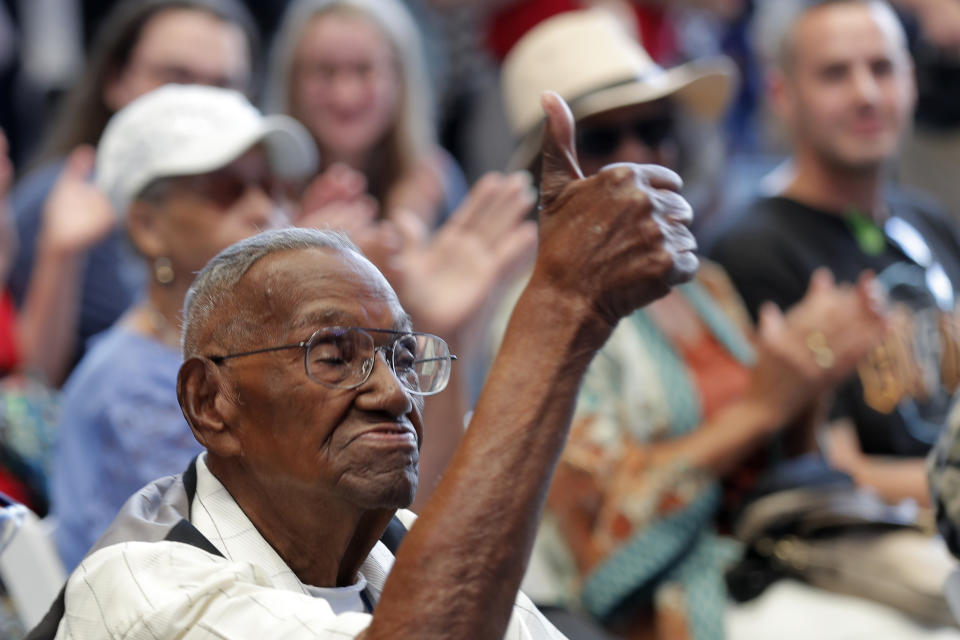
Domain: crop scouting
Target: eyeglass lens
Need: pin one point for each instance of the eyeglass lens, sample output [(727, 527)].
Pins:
[(603, 139), (344, 357)]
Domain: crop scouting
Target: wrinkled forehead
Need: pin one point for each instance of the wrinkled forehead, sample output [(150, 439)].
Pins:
[(304, 288)]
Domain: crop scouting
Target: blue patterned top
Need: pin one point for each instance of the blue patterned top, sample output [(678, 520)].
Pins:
[(120, 428)]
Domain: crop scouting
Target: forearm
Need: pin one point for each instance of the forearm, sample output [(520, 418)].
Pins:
[(893, 479), (473, 538), (719, 445), (46, 326)]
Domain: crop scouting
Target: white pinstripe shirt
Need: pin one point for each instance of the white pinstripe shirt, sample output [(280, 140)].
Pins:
[(160, 590)]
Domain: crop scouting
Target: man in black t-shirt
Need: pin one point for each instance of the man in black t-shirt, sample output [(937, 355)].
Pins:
[(843, 85)]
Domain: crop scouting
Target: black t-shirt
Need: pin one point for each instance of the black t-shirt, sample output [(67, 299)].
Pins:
[(898, 399)]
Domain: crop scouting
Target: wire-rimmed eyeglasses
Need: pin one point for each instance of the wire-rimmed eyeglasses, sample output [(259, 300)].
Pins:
[(343, 358)]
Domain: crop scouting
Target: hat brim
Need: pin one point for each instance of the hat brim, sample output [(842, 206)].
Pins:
[(703, 87)]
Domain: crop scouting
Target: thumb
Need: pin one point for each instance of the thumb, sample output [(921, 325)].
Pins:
[(559, 155)]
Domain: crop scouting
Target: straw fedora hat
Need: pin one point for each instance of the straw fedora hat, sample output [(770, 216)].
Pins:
[(595, 65)]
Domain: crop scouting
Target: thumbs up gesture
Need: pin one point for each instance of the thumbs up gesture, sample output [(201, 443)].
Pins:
[(617, 240)]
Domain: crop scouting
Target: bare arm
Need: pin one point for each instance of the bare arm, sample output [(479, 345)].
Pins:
[(893, 479), (608, 244), (76, 217)]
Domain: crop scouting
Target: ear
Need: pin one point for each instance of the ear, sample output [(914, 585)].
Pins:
[(203, 398), (143, 225)]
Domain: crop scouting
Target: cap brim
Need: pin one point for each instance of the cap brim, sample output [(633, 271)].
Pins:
[(291, 152), (704, 87)]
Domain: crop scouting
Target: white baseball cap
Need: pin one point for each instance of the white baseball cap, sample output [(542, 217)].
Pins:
[(180, 130)]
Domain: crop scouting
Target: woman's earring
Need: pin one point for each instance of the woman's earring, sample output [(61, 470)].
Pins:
[(163, 270)]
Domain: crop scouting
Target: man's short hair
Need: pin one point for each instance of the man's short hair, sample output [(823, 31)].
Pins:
[(215, 285), (775, 27)]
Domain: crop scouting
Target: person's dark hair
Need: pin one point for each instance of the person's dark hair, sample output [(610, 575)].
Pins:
[(82, 113)]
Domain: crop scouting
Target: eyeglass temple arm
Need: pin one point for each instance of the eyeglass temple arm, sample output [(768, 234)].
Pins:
[(219, 359)]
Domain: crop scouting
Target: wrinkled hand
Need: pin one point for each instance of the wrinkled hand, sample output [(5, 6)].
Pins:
[(77, 214), (616, 240), (820, 340), (444, 280)]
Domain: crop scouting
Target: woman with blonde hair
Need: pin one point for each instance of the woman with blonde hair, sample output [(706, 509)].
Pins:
[(353, 72)]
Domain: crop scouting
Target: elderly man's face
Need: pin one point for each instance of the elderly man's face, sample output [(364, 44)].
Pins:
[(300, 438)]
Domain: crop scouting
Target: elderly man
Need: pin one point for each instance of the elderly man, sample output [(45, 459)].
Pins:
[(843, 84), (302, 380)]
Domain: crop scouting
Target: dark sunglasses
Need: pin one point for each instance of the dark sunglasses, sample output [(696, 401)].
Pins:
[(226, 186), (603, 139)]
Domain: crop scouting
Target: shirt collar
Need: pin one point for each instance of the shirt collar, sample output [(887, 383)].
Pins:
[(220, 519)]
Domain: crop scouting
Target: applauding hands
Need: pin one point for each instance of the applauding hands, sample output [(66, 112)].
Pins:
[(443, 278), (818, 343)]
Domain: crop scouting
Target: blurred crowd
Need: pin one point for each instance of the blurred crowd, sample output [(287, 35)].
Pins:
[(818, 346)]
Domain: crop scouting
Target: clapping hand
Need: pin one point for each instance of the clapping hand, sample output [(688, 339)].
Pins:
[(443, 280), (819, 341), (77, 214), (338, 199)]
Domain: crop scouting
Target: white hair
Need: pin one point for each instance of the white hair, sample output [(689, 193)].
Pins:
[(216, 283)]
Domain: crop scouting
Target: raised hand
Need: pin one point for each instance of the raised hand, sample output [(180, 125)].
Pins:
[(616, 240), (840, 323), (444, 280), (77, 214)]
